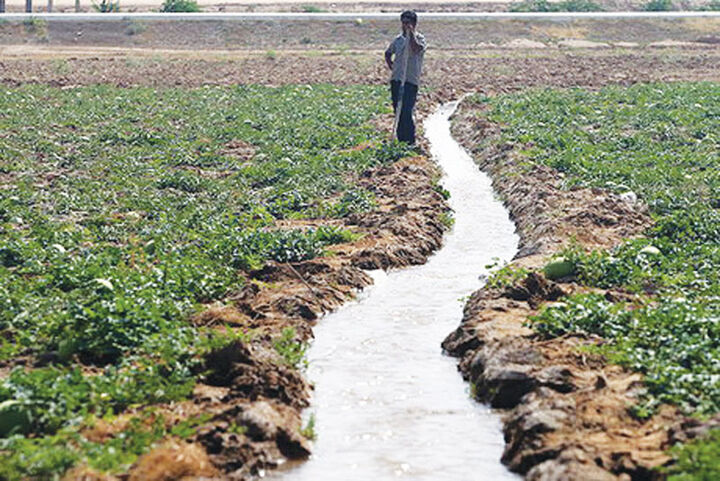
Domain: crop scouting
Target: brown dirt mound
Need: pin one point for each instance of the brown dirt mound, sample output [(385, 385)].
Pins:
[(254, 397), (567, 412), (174, 460)]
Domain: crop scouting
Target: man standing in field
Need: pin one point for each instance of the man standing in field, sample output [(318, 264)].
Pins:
[(408, 50)]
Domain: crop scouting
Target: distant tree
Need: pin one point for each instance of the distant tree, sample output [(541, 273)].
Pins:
[(106, 6), (186, 6), (658, 6)]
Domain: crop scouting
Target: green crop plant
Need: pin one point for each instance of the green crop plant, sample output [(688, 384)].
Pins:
[(698, 460), (292, 350), (659, 141), (106, 6), (505, 276), (312, 9), (190, 6), (309, 429), (123, 212), (658, 6)]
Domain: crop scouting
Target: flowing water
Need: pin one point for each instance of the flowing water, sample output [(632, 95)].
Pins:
[(387, 402)]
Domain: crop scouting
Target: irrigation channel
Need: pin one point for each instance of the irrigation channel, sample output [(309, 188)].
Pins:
[(387, 402)]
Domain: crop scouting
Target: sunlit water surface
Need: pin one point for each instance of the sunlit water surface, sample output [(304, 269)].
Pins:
[(387, 403)]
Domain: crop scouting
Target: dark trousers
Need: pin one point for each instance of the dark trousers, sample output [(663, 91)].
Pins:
[(406, 126)]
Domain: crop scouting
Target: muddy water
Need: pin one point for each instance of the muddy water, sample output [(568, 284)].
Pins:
[(387, 403)]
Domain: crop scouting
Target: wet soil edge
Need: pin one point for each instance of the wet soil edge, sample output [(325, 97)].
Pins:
[(566, 413), (253, 398)]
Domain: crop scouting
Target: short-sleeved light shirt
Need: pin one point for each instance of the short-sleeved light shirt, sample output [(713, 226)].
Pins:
[(414, 61)]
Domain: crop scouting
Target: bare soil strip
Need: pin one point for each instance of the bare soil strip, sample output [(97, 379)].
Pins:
[(457, 35), (447, 76)]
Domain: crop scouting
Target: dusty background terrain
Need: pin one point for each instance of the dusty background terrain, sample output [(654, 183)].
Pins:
[(464, 36), (326, 5)]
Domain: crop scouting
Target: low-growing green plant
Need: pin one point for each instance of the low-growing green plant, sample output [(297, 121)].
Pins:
[(291, 349), (186, 6), (152, 216), (698, 460), (312, 9), (309, 429), (106, 6), (674, 343), (237, 428), (442, 191), (35, 25), (49, 457), (658, 141), (447, 219), (353, 201), (658, 6), (61, 66), (135, 27), (506, 276), (187, 427)]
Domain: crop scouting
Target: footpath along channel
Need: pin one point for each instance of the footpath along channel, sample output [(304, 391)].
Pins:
[(387, 402)]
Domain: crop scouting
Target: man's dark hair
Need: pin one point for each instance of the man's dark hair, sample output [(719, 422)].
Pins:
[(409, 15)]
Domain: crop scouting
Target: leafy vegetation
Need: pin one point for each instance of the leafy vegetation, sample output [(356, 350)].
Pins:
[(309, 429), (673, 342), (658, 6), (658, 141), (698, 460), (292, 351), (190, 6), (504, 276), (312, 9), (106, 6), (123, 211), (45, 457)]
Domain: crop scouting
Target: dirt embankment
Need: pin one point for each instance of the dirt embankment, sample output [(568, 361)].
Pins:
[(254, 399), (567, 410)]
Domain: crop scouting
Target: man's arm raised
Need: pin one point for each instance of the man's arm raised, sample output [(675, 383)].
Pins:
[(416, 45)]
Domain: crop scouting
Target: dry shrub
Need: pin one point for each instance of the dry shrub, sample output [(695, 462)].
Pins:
[(220, 315), (174, 460), (84, 473)]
